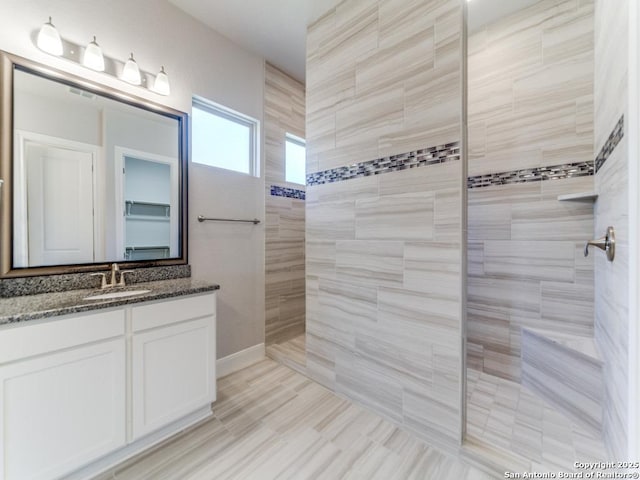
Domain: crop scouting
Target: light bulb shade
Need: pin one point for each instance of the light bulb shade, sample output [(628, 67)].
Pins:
[(93, 57), (161, 84), (49, 39), (131, 72)]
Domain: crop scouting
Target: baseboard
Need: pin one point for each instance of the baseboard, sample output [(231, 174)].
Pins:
[(139, 446), (239, 360)]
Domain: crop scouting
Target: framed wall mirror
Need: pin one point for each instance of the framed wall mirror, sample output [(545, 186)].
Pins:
[(90, 175)]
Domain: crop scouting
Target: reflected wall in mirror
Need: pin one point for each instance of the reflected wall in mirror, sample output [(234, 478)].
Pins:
[(91, 176)]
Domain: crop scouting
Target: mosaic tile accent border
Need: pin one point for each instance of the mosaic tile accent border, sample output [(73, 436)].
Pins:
[(537, 174), (611, 143), (418, 158), (277, 191)]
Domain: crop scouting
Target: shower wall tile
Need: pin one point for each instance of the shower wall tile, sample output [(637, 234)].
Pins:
[(370, 385), (569, 307), (284, 211), (564, 377), (513, 297), (348, 304), (475, 258), (447, 216), (444, 176), (490, 328), (551, 124), (438, 313), (556, 83), (388, 66), (531, 88), (526, 269), (379, 346), (384, 210), (552, 220), (330, 337), (509, 194), (331, 220), (571, 38), (489, 222), (584, 266), (431, 267), (501, 365), (321, 258), (529, 260), (430, 418), (362, 187), (375, 263), (361, 77), (551, 190), (396, 217), (401, 18), (612, 301), (367, 116)]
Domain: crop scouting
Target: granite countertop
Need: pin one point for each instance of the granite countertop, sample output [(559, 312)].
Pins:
[(45, 305)]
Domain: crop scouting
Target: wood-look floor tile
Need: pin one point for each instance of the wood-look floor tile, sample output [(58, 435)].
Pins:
[(314, 435), (509, 424)]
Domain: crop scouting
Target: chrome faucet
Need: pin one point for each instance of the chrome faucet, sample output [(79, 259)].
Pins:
[(115, 269)]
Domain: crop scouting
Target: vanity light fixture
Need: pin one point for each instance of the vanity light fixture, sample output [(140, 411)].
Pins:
[(161, 84), (49, 39), (131, 72), (93, 57)]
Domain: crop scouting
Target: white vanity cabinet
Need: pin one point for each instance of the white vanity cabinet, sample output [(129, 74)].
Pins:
[(81, 392), (62, 394), (173, 362)]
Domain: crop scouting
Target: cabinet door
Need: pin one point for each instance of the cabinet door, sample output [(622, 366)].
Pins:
[(60, 411), (172, 373)]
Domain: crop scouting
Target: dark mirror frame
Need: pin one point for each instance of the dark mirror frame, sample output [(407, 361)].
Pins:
[(8, 63)]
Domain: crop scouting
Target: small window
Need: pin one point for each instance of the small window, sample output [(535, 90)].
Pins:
[(295, 160), (223, 138)]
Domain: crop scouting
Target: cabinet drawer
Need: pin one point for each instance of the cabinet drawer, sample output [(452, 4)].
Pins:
[(172, 311), (23, 341)]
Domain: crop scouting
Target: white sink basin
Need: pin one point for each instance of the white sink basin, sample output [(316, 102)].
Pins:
[(108, 296)]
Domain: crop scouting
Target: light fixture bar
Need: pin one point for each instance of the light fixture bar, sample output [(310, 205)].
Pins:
[(91, 56)]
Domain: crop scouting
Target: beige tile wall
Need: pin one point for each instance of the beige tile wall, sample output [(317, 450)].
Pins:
[(383, 77), (611, 319), (531, 88), (384, 253), (284, 222), (530, 104)]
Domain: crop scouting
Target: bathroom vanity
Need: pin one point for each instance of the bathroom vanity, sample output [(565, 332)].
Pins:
[(91, 176), (85, 384)]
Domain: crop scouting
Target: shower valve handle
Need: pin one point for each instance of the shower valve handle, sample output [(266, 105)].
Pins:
[(606, 243)]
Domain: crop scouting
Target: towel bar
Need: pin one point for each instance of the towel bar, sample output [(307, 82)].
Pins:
[(202, 218)]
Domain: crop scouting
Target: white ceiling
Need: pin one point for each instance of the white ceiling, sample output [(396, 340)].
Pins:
[(276, 29)]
